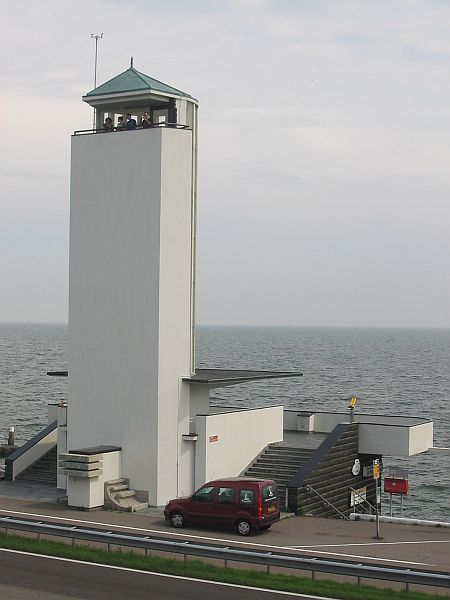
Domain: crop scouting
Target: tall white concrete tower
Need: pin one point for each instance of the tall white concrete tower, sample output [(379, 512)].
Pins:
[(132, 275)]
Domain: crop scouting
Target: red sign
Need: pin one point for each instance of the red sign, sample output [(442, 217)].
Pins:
[(395, 486)]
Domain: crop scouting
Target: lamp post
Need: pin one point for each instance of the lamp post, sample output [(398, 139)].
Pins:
[(96, 37)]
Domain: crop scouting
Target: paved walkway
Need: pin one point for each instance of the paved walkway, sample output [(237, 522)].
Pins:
[(30, 490)]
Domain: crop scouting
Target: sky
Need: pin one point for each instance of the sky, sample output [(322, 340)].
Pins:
[(324, 151)]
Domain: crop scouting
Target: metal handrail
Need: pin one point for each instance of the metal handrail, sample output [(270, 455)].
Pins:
[(327, 502), (363, 501), (152, 126), (227, 553)]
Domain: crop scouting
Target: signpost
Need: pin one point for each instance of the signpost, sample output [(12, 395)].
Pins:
[(376, 477)]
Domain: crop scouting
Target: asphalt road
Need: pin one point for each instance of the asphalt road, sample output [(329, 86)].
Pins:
[(30, 577), (426, 548)]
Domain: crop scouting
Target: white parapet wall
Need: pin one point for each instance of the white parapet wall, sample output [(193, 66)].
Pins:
[(393, 435), (395, 440), (228, 442)]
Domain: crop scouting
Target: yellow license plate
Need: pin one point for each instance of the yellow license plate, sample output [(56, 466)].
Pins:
[(272, 509)]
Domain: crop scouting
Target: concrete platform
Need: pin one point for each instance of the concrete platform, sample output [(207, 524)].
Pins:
[(304, 440), (30, 490)]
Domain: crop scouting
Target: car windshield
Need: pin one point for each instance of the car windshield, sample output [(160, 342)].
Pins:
[(269, 493)]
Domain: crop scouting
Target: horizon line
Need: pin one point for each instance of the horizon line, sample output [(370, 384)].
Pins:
[(265, 325)]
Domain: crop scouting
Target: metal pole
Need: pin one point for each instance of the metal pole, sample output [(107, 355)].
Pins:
[(377, 519), (377, 480), (401, 506), (96, 37), (390, 502)]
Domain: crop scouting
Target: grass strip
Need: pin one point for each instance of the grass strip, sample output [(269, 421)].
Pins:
[(202, 570)]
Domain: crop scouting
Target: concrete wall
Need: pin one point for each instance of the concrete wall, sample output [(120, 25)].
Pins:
[(290, 420), (421, 438), (129, 299), (326, 422), (199, 403), (395, 440), (174, 306), (58, 412), (228, 442), (187, 468), (84, 492)]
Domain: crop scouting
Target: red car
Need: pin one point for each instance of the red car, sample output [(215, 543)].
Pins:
[(244, 503)]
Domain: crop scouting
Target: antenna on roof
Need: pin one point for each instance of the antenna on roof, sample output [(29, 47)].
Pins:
[(131, 63), (96, 37)]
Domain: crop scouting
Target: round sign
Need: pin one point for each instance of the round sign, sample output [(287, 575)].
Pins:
[(356, 467)]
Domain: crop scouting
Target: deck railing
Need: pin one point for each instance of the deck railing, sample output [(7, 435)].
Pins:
[(122, 130)]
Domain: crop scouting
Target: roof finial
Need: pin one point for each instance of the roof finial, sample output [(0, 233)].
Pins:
[(131, 63)]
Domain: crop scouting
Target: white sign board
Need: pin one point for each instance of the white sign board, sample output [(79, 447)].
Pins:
[(358, 496)]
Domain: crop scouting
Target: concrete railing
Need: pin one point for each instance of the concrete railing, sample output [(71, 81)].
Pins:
[(32, 451)]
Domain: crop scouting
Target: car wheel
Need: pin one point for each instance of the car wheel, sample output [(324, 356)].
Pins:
[(243, 527), (176, 519)]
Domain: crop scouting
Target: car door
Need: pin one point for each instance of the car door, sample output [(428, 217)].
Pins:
[(200, 506), (225, 506)]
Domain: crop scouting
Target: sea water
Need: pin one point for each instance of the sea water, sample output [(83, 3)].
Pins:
[(390, 371)]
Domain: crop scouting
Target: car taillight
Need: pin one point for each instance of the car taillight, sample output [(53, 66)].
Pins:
[(260, 512)]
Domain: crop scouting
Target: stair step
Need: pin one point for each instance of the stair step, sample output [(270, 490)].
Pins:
[(118, 487), (287, 449), (277, 478), (138, 506), (273, 471), (276, 465), (283, 461), (44, 469), (125, 494), (286, 454), (116, 481)]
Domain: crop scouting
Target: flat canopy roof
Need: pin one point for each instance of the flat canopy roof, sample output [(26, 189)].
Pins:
[(229, 376), (220, 376)]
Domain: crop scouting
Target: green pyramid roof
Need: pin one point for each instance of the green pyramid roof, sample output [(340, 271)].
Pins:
[(132, 80)]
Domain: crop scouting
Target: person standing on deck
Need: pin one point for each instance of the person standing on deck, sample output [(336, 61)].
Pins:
[(131, 123)]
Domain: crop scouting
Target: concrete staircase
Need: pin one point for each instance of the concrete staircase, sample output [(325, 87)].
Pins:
[(43, 470), (280, 463), (118, 496)]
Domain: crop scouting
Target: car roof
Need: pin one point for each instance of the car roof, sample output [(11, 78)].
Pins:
[(241, 480)]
